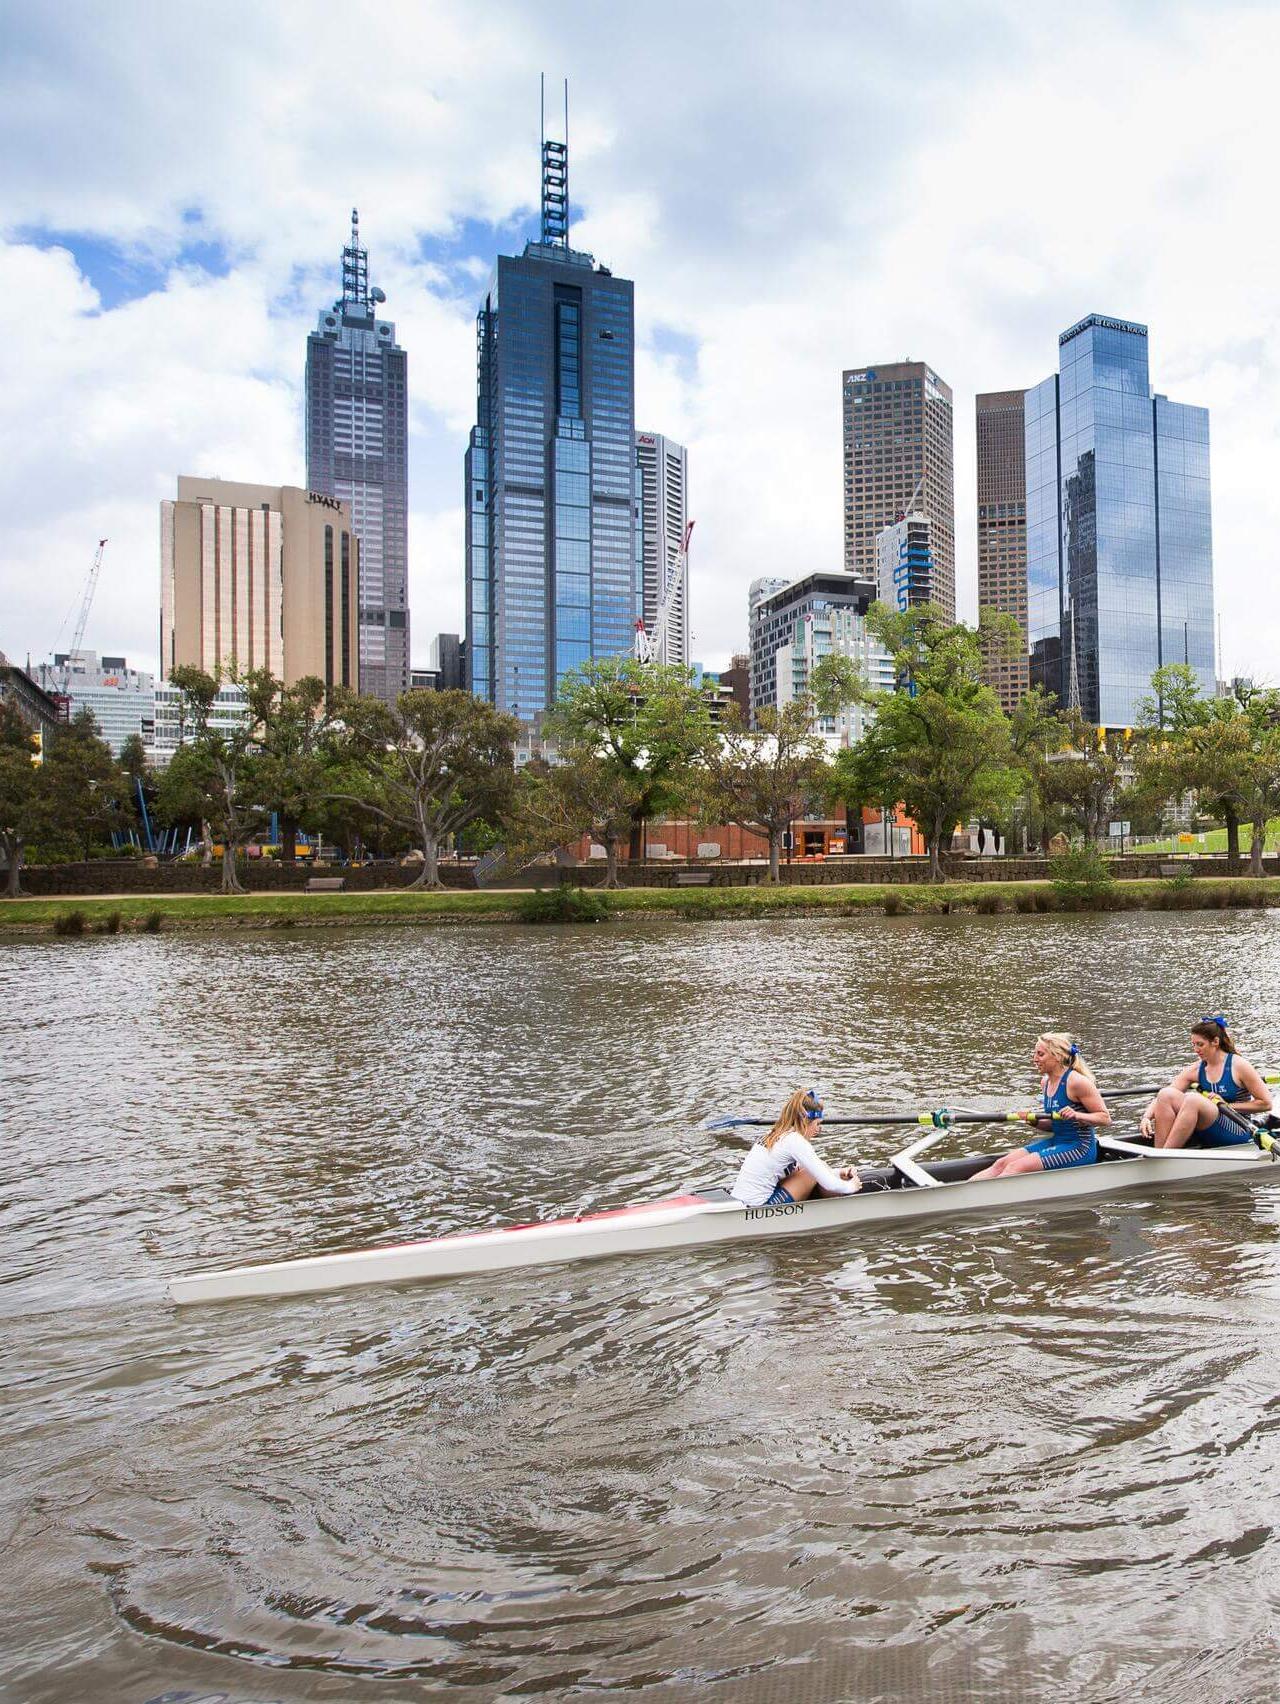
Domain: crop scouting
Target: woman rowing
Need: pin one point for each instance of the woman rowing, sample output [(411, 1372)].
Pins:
[(784, 1167), (1189, 1109), (1071, 1110)]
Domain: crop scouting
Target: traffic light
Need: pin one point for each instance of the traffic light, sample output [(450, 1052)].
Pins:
[(37, 747)]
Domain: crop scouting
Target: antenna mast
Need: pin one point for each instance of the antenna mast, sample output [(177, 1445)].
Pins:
[(555, 178)]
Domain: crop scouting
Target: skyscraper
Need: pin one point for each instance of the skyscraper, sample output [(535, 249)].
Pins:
[(904, 563), (1119, 535), (899, 459), (358, 451), (552, 485), (259, 577), (664, 473), (1002, 532)]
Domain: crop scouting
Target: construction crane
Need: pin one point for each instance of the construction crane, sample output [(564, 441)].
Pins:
[(648, 646), (82, 621)]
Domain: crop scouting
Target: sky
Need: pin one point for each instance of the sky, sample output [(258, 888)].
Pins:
[(795, 189)]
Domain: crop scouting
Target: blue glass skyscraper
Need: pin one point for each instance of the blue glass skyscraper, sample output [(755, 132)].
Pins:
[(1119, 536), (551, 476), (357, 416)]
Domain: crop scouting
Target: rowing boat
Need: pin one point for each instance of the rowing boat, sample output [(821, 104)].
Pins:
[(903, 1190)]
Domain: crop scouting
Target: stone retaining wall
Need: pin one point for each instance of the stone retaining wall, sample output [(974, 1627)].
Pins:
[(128, 875)]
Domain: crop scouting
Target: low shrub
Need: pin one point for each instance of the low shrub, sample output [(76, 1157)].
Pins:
[(988, 904), (1024, 902), (892, 904), (110, 924), (153, 922), (70, 923), (565, 904), (1080, 877)]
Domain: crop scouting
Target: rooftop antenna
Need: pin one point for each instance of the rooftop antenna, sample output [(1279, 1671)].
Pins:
[(555, 178), (355, 266)]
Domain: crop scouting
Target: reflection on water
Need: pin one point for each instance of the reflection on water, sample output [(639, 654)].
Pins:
[(1028, 1457)]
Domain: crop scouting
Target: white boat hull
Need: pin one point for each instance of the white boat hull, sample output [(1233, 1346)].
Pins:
[(690, 1221)]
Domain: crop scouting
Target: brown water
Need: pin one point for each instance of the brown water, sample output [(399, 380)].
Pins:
[(1029, 1457)]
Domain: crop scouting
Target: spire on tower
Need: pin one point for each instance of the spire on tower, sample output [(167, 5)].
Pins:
[(555, 178), (355, 266)]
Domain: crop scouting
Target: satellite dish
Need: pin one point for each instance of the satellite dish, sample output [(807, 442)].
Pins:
[(376, 295)]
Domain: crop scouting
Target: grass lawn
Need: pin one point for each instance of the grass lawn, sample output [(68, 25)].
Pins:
[(1215, 840), (112, 912)]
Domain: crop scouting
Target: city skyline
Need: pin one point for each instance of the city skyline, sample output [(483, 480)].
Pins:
[(173, 308)]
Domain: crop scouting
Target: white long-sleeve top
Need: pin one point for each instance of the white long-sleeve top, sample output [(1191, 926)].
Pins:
[(764, 1169)]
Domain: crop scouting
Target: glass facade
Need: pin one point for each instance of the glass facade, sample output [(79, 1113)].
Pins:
[(1119, 540), (550, 477), (357, 416)]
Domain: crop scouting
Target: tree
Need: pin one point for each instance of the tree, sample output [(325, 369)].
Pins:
[(761, 778), (581, 793), (215, 775), (940, 745), (293, 750), (1226, 750), (24, 810), (87, 790), (429, 764), (647, 723), (1080, 775)]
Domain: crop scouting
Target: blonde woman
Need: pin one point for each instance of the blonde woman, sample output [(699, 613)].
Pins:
[(783, 1166), (1071, 1111)]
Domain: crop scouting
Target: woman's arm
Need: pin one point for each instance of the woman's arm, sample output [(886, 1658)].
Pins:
[(1249, 1080), (827, 1180), (1086, 1091)]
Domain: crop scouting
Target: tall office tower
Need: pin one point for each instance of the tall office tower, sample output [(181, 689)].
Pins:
[(664, 472), (905, 574), (259, 577), (898, 459), (799, 622), (1119, 534), (358, 451), (1002, 533), (551, 476)]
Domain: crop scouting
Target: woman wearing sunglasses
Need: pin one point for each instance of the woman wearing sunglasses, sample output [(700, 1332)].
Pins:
[(783, 1167)]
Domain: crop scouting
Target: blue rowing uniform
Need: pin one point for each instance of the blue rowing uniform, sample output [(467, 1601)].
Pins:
[(1077, 1145), (1223, 1132)]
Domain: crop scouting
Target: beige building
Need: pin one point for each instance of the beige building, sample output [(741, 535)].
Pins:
[(259, 576), (1002, 532), (899, 460)]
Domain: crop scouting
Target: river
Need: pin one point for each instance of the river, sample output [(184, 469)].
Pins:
[(1028, 1457)]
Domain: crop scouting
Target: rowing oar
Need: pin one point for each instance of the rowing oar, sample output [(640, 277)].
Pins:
[(942, 1119)]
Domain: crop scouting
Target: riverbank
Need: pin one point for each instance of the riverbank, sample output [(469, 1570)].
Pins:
[(154, 913)]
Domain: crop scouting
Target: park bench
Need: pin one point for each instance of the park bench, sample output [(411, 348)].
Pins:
[(693, 878), (326, 884)]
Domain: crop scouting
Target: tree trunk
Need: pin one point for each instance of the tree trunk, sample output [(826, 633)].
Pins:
[(612, 846), (430, 877), (1259, 839), (1233, 840), (288, 841), (775, 853), (935, 856), (13, 884), (206, 843), (231, 882)]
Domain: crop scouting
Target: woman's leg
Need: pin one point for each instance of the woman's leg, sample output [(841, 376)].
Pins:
[(799, 1183), (1195, 1113), (1168, 1105), (1018, 1161)]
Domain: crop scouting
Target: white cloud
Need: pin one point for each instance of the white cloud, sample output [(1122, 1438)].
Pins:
[(796, 189)]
